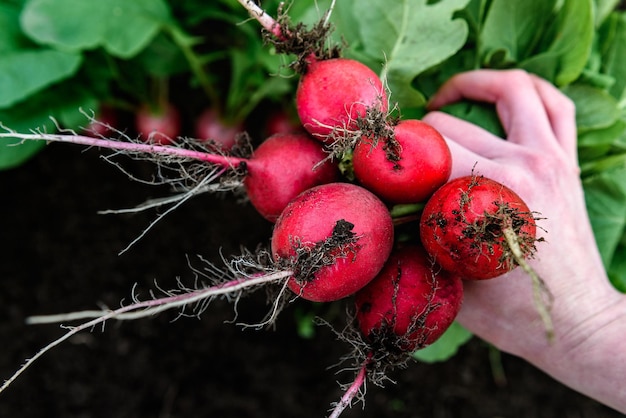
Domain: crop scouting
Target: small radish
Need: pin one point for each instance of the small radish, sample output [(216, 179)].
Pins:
[(405, 167), (282, 167), (210, 125), (480, 229), (475, 226), (334, 93), (280, 121), (409, 304), (339, 219), (103, 123), (159, 126)]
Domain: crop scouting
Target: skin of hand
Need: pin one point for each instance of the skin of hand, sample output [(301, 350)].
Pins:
[(538, 160)]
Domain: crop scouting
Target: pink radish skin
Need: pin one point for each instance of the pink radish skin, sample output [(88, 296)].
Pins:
[(160, 127), (410, 304), (210, 125), (281, 168), (333, 93), (311, 218)]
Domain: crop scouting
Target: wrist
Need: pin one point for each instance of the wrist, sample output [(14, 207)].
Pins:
[(590, 355)]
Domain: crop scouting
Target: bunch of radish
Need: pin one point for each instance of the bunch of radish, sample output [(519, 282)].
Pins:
[(333, 236)]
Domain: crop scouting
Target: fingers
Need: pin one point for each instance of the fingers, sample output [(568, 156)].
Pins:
[(470, 136), (464, 161), (519, 103), (561, 113)]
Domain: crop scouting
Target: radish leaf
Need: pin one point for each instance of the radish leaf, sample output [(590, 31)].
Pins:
[(408, 37), (446, 346), (122, 27)]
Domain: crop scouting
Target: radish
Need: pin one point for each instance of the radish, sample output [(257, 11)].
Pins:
[(280, 121), (406, 166), (159, 126), (103, 123), (333, 94), (210, 125), (407, 306), (283, 166), (473, 226), (479, 229), (410, 304), (362, 237)]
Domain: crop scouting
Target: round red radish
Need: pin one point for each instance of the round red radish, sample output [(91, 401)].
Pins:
[(279, 122), (336, 237), (409, 304), (407, 167), (104, 122), (470, 224), (282, 167), (160, 126), (333, 93), (210, 125)]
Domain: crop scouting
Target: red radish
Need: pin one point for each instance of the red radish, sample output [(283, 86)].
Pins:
[(410, 304), (280, 121), (340, 219), (210, 125), (474, 227), (406, 167), (407, 306), (334, 93), (159, 126), (103, 123), (282, 167)]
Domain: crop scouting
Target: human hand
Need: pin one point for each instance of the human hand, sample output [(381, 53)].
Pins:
[(538, 160)]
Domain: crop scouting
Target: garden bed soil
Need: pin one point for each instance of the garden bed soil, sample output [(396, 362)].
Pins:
[(58, 255)]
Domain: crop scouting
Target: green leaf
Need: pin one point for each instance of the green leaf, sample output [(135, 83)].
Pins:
[(481, 114), (11, 36), (36, 112), (570, 44), (602, 137), (446, 346), (13, 153), (22, 118), (617, 269), (122, 27), (512, 29), (409, 37), (614, 61), (603, 9), (595, 108), (605, 196), (23, 73)]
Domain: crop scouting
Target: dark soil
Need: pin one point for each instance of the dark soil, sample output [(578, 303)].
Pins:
[(59, 255)]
